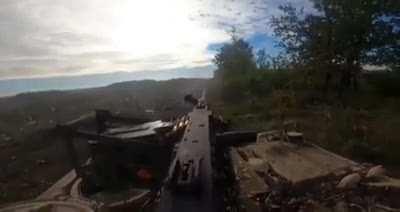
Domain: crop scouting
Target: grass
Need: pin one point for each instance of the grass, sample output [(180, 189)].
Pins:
[(366, 129)]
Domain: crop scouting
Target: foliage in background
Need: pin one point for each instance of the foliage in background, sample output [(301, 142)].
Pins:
[(324, 57), (340, 38), (235, 61)]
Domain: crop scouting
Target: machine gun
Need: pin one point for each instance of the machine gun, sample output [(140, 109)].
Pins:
[(194, 163), (190, 181), (151, 165)]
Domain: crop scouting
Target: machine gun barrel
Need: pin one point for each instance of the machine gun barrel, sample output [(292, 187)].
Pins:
[(190, 182)]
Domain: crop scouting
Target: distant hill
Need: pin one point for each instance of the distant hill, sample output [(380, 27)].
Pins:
[(15, 86), (27, 120), (24, 113)]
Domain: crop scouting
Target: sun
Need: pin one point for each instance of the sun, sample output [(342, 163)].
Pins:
[(151, 27)]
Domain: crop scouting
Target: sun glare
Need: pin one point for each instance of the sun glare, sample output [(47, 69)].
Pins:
[(153, 27), (148, 27)]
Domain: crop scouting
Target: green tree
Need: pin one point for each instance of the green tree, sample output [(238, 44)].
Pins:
[(235, 60), (342, 36)]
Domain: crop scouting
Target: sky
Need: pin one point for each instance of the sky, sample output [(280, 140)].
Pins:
[(45, 38)]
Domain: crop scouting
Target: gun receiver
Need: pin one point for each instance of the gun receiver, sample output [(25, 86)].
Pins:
[(190, 181)]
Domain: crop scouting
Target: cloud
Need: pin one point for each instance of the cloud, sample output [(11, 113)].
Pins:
[(71, 37), (246, 16)]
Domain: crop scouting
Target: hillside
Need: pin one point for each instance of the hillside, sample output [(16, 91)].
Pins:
[(9, 87), (31, 157)]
